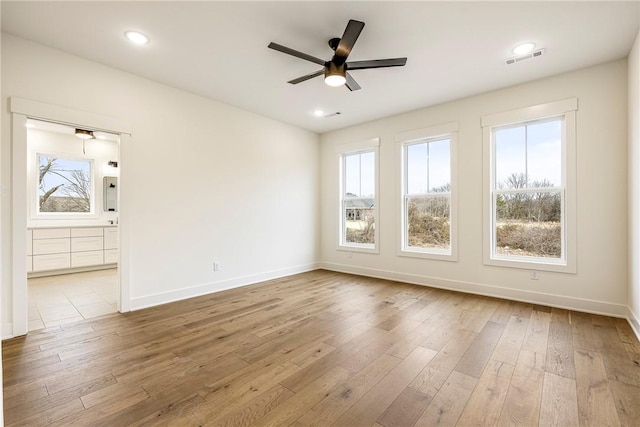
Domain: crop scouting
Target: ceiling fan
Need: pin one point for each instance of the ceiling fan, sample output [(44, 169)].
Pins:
[(336, 70)]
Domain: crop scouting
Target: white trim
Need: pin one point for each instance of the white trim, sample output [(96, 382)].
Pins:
[(213, 287), (369, 146), (22, 109), (566, 110), (59, 114), (634, 322), (530, 113), (124, 249), (427, 133), (433, 133), (34, 194), (551, 300), (19, 194), (7, 331), (357, 146)]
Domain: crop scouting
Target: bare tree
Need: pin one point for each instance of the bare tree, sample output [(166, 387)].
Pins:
[(76, 190)]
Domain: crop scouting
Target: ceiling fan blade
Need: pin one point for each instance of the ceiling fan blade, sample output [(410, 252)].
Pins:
[(376, 63), (351, 84), (348, 39), (307, 77), (297, 54)]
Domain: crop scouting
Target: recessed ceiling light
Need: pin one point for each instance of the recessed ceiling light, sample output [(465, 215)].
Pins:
[(523, 48), (318, 113), (136, 37)]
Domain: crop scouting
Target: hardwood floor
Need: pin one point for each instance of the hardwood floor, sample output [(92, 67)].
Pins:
[(325, 348)]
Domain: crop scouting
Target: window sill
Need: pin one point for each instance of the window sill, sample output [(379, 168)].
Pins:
[(435, 255), (356, 248), (539, 264)]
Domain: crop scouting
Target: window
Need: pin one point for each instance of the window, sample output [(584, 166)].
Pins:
[(531, 187), (428, 207), (358, 197), (65, 186)]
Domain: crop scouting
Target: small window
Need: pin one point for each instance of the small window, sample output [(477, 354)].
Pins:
[(358, 200), (532, 188), (427, 205), (65, 186)]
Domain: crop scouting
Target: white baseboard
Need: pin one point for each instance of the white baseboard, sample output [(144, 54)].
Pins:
[(209, 288), (634, 322), (7, 331), (559, 301)]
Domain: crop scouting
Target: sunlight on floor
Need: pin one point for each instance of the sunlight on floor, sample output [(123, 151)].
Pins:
[(57, 300)]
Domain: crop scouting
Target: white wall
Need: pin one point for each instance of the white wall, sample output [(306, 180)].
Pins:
[(69, 146), (204, 180), (600, 284), (634, 185)]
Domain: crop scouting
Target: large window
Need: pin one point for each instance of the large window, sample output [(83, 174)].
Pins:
[(65, 185), (358, 199), (428, 214), (531, 187)]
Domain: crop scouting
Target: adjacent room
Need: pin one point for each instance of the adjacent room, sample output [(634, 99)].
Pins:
[(320, 213)]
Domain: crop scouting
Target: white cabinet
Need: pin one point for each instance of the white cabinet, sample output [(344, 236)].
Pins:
[(51, 233), (51, 246), (63, 248), (83, 259), (111, 238), (81, 244), (29, 251), (110, 256), (51, 262)]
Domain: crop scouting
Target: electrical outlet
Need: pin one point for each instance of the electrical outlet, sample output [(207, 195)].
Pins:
[(350, 254), (216, 265), (534, 274)]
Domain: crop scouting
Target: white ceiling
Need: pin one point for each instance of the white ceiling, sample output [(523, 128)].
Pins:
[(219, 49)]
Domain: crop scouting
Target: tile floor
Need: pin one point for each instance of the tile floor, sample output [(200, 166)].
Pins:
[(56, 300)]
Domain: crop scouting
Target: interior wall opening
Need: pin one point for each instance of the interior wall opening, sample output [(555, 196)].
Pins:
[(72, 223)]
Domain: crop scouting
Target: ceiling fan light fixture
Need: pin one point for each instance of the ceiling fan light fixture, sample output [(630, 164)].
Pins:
[(84, 134), (335, 75)]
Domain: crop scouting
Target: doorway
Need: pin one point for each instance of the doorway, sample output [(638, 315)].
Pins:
[(89, 259), (72, 223)]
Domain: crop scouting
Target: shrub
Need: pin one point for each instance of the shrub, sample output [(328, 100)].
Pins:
[(531, 239), (426, 230)]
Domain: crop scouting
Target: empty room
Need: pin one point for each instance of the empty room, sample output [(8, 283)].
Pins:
[(341, 213)]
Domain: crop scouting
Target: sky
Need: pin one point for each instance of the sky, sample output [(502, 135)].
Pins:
[(539, 155), (533, 150), (52, 180)]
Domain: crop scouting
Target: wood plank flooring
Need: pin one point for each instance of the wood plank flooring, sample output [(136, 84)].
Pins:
[(325, 348)]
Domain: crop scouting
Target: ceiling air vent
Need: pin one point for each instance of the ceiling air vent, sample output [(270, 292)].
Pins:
[(533, 54)]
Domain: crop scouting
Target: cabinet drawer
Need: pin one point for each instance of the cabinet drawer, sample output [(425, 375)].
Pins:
[(51, 262), (51, 233), (50, 246), (29, 242), (111, 238), (86, 232), (29, 264), (81, 259), (82, 244), (110, 256)]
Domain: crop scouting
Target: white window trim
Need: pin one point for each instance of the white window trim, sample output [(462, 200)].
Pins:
[(35, 195), (567, 109), (447, 130), (370, 145)]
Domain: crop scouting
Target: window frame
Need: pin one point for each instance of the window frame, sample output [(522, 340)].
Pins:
[(368, 146), (565, 110), (34, 188), (404, 140)]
